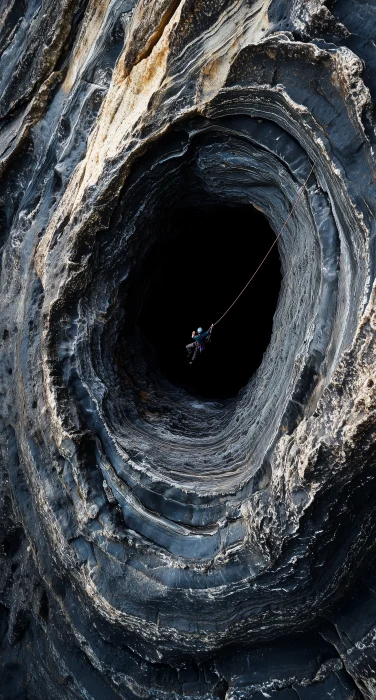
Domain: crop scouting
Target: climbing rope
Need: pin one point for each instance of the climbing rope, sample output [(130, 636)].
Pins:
[(270, 249)]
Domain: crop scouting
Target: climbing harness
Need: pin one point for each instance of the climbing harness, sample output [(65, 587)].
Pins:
[(270, 249), (201, 346)]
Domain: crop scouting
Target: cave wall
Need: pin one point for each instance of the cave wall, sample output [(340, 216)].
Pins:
[(155, 544)]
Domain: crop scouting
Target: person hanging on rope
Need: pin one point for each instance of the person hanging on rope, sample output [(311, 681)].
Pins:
[(198, 345)]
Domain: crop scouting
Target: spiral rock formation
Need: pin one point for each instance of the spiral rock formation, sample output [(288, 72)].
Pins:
[(156, 543)]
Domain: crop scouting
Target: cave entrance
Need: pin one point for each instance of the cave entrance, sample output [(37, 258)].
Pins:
[(202, 264)]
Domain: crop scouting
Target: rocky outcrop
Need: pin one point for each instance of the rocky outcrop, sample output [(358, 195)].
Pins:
[(155, 544)]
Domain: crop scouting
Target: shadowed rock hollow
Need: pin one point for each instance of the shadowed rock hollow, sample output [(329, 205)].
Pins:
[(167, 531)]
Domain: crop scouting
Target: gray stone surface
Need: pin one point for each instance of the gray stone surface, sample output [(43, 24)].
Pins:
[(150, 547)]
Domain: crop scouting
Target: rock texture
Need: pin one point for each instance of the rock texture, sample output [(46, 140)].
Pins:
[(152, 545)]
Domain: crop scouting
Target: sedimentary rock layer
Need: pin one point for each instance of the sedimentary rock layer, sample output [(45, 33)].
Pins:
[(157, 544)]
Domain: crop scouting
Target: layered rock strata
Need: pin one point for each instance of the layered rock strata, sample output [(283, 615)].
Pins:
[(155, 545)]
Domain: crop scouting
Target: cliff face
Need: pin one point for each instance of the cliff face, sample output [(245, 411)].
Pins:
[(154, 544)]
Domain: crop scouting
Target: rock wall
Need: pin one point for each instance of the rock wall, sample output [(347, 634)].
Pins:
[(152, 545)]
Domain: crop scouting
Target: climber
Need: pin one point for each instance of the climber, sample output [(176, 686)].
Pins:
[(198, 344)]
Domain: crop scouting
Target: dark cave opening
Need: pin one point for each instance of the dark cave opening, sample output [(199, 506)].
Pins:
[(204, 261)]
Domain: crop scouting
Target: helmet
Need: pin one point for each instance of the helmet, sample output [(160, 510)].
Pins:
[(199, 330)]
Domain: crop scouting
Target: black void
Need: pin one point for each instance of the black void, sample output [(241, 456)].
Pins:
[(203, 262)]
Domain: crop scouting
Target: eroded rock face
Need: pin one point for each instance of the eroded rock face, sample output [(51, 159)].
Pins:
[(155, 545)]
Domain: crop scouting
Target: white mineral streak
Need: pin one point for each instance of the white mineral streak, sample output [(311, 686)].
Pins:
[(86, 43), (238, 29)]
